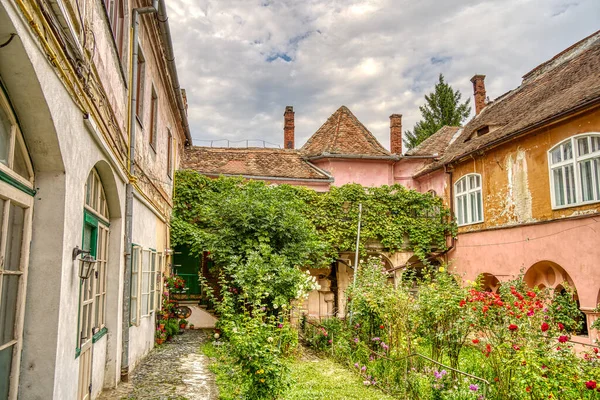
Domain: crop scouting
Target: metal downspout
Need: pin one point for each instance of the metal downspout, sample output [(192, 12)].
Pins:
[(165, 31), (136, 12)]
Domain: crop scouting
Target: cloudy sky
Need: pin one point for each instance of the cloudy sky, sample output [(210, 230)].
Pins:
[(243, 61)]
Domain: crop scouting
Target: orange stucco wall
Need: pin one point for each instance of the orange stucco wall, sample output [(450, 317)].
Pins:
[(516, 183)]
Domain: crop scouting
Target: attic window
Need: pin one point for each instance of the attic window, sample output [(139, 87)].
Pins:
[(482, 131)]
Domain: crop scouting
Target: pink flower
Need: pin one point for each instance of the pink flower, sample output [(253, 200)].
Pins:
[(561, 326)]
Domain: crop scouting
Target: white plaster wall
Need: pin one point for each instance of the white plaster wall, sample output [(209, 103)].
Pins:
[(98, 363), (149, 233)]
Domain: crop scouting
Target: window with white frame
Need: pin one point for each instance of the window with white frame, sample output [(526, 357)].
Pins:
[(136, 255), (468, 201), (96, 232), (145, 283), (575, 171)]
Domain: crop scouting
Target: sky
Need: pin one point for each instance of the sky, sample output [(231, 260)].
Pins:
[(243, 61)]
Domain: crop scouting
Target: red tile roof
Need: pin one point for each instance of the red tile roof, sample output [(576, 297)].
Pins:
[(343, 134), (567, 82), (251, 162)]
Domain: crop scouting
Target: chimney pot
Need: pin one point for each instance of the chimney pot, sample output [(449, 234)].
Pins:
[(288, 128), (479, 92), (396, 134)]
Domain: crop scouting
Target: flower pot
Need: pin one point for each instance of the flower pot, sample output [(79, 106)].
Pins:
[(182, 326), (160, 341)]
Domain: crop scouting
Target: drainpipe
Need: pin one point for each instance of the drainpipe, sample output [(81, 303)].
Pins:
[(136, 12), (451, 204)]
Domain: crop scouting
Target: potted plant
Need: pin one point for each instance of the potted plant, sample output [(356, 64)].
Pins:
[(183, 323), (171, 328), (160, 336), (191, 326)]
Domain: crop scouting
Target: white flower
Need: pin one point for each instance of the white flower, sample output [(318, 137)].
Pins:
[(270, 339), (217, 335), (234, 330), (275, 306)]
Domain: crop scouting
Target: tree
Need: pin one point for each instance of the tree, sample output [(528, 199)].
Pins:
[(443, 107)]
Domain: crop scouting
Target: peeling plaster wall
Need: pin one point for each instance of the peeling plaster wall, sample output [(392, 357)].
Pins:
[(516, 182)]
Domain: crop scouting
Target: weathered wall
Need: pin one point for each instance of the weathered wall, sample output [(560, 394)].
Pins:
[(365, 172), (516, 183), (520, 227)]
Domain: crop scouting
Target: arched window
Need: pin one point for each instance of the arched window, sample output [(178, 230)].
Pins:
[(95, 240), (468, 203), (16, 204), (575, 171)]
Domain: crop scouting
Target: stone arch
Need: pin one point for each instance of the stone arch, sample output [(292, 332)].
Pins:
[(24, 90), (107, 176), (547, 274), (489, 282)]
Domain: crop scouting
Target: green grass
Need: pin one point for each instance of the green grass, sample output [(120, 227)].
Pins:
[(319, 379), (326, 380)]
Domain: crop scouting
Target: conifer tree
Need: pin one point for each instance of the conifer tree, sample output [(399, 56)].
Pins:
[(443, 107)]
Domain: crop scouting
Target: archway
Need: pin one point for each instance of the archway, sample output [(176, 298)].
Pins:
[(549, 275), (489, 282)]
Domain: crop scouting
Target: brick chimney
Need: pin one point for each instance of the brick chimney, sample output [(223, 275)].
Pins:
[(396, 134), (288, 128), (479, 92)]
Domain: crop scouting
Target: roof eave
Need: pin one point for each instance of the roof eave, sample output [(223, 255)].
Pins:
[(270, 178), (353, 156)]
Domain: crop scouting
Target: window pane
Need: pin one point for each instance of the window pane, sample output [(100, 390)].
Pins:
[(19, 163), (559, 190), (133, 312), (478, 180), (471, 182), (134, 259), (144, 304), (6, 356), (555, 155), (583, 146), (465, 212), (14, 238), (5, 132), (585, 173), (479, 207), (8, 307), (597, 177), (595, 143), (567, 151), (570, 184), (459, 210), (473, 201)]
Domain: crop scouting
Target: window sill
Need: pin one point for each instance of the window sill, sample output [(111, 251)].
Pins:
[(574, 205), (99, 334), (470, 223)]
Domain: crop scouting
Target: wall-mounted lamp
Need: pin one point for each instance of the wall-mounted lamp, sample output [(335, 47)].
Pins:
[(86, 262), (168, 252)]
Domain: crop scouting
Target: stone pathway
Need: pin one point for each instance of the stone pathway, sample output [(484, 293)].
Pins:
[(175, 370)]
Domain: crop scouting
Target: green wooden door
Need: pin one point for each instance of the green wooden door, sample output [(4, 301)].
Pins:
[(187, 266)]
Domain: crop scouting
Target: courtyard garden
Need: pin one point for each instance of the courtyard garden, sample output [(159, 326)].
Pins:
[(426, 335)]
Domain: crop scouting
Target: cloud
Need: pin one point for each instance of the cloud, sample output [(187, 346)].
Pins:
[(243, 61)]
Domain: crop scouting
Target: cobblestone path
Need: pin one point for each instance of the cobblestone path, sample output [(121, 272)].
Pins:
[(175, 370)]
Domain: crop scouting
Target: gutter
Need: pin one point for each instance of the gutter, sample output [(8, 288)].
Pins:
[(353, 156), (163, 23), (270, 178)]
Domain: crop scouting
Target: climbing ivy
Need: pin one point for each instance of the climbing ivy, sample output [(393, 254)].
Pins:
[(231, 217)]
